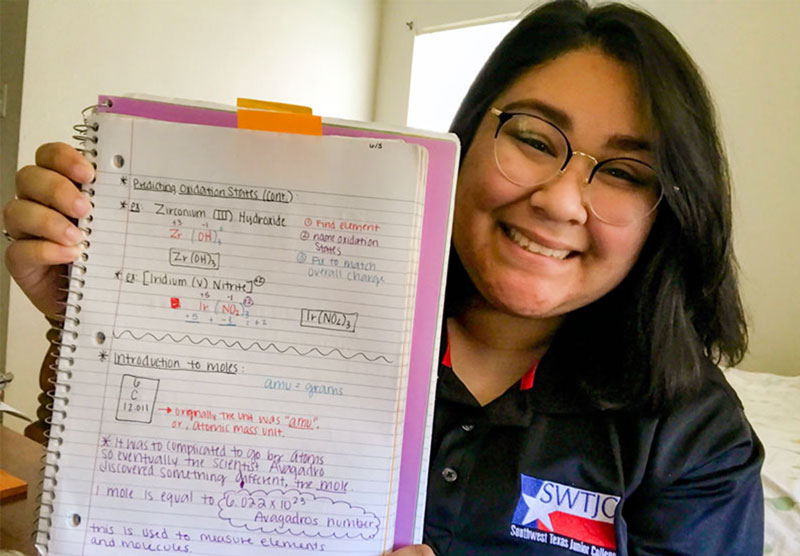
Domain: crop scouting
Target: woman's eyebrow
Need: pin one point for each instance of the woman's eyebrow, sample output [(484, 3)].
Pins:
[(629, 143), (550, 112), (619, 142)]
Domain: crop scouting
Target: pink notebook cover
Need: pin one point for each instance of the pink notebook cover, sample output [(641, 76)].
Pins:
[(442, 162)]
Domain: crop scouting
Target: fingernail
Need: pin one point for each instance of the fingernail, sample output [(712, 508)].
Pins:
[(83, 173), (74, 235), (81, 206), (75, 252)]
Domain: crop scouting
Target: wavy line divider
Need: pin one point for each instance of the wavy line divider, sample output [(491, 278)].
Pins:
[(237, 343)]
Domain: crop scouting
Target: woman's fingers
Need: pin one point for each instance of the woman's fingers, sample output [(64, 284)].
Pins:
[(28, 219), (54, 190), (41, 220), (26, 259), (65, 160), (36, 265)]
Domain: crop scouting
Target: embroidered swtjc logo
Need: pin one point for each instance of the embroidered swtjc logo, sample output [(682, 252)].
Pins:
[(561, 515)]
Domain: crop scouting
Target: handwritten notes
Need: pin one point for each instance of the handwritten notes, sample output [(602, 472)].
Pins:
[(238, 378)]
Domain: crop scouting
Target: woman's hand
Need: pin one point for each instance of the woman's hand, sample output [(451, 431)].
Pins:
[(415, 550), (40, 221)]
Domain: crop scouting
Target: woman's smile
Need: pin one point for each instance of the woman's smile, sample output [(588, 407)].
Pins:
[(541, 247)]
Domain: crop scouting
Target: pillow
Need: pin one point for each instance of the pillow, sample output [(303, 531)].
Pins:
[(772, 405)]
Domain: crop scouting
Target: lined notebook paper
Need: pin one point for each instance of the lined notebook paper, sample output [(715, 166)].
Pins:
[(242, 338)]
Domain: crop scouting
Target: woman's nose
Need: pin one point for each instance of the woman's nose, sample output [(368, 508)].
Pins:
[(562, 197)]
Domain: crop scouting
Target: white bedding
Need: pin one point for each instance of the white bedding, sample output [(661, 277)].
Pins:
[(772, 404)]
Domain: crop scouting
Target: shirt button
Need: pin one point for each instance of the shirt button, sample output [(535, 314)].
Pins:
[(449, 474), (467, 428)]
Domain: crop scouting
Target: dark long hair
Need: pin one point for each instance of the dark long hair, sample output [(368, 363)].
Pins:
[(648, 341)]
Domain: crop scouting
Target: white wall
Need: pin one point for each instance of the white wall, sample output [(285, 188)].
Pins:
[(319, 53), (748, 52)]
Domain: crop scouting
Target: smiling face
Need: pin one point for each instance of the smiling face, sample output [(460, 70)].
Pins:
[(540, 252)]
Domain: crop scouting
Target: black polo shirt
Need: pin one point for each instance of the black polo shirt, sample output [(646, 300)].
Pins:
[(539, 471)]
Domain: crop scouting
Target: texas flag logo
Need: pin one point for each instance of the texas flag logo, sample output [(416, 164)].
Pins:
[(561, 515)]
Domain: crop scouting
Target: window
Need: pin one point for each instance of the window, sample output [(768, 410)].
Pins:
[(443, 66)]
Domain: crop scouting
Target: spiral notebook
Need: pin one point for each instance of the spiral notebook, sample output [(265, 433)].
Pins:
[(246, 362)]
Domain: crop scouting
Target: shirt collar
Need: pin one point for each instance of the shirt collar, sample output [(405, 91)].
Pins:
[(549, 386), (525, 383)]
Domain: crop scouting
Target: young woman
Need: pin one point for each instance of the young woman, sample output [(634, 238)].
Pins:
[(591, 296)]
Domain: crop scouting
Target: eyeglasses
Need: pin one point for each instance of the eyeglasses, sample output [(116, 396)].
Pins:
[(530, 151)]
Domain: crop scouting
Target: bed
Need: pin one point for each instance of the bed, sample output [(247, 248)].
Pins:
[(772, 404)]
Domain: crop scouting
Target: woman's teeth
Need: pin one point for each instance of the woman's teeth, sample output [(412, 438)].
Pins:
[(530, 245)]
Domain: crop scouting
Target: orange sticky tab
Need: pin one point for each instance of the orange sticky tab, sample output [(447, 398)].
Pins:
[(282, 122), (11, 486), (272, 106)]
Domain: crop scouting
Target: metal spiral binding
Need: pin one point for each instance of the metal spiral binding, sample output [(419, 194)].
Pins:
[(62, 336)]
